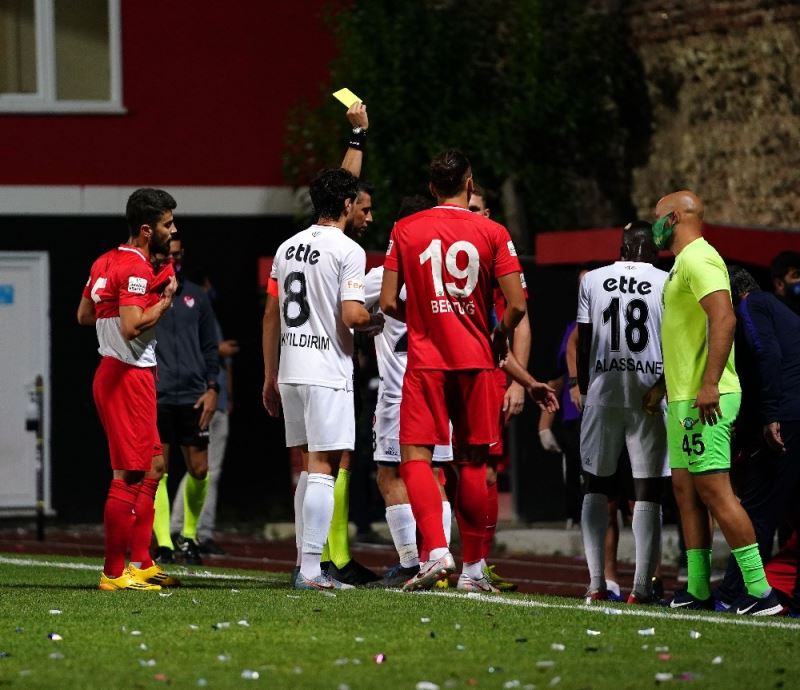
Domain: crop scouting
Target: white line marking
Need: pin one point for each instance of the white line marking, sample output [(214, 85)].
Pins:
[(180, 571), (719, 619)]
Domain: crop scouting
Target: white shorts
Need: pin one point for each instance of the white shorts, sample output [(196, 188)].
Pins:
[(604, 431), (386, 435), (322, 418)]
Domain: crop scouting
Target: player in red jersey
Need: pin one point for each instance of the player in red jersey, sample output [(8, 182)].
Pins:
[(124, 299), (448, 259)]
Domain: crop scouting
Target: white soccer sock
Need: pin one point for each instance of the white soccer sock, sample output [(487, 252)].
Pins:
[(647, 539), (436, 554), (447, 520), (299, 494), (473, 570), (403, 528), (594, 523), (317, 516)]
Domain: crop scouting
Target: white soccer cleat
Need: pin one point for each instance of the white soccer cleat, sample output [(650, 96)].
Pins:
[(481, 585), (430, 573)]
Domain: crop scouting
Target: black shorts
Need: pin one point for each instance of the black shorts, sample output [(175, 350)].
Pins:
[(181, 424)]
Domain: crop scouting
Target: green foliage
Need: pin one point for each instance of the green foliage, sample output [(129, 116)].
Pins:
[(538, 91)]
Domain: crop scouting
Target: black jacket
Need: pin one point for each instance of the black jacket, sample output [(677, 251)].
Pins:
[(187, 347)]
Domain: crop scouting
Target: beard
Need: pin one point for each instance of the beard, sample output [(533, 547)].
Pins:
[(158, 246)]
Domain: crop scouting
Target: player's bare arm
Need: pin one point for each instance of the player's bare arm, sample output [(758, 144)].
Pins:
[(133, 321), (207, 403), (270, 343), (583, 351), (390, 301), (541, 393), (514, 399), (572, 369), (516, 305), (356, 316), (721, 328), (354, 156), (86, 313), (651, 402)]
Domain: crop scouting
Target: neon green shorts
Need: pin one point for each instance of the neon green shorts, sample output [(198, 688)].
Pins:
[(698, 447)]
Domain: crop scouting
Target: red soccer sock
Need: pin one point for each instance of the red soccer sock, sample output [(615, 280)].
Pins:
[(118, 519), (471, 500), (426, 502), (142, 531), (491, 519)]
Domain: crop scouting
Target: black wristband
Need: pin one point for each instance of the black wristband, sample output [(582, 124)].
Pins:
[(212, 386), (572, 381), (358, 139)]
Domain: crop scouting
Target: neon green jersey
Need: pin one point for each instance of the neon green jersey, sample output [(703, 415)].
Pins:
[(698, 271)]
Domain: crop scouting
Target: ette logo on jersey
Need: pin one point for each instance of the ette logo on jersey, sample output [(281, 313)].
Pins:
[(454, 255)]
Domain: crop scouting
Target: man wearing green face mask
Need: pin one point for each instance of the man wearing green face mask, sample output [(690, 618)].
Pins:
[(703, 396)]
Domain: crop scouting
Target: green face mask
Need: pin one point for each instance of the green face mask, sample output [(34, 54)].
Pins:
[(662, 231)]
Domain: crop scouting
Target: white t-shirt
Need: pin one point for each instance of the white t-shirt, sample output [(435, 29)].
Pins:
[(623, 303), (316, 271), (391, 346)]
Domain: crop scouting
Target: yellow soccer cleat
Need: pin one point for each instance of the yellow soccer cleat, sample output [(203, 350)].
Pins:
[(153, 575), (124, 581)]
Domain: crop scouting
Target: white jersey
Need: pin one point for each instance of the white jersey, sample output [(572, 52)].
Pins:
[(316, 270), (391, 346), (622, 302)]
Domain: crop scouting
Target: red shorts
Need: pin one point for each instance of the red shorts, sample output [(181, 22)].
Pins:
[(125, 397), (500, 385), (433, 397)]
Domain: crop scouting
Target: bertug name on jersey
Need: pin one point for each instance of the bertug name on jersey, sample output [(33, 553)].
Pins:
[(318, 342)]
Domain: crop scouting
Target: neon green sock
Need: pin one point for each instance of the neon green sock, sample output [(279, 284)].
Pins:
[(338, 536), (161, 516), (326, 553), (194, 496), (755, 579), (698, 562)]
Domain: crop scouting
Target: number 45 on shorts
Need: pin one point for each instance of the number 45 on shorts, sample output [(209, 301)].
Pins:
[(695, 446)]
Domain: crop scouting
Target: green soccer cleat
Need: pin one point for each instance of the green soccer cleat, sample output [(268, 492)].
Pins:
[(496, 581)]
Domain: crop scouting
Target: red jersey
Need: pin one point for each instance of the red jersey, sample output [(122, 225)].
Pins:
[(124, 277), (448, 258)]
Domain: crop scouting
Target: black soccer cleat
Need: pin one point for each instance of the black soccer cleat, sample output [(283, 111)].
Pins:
[(164, 556), (353, 573), (684, 600), (748, 605), (395, 577), (188, 550), (211, 548)]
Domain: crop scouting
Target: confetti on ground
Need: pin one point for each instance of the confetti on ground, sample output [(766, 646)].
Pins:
[(292, 596), (136, 633), (426, 685), (143, 646), (457, 626), (161, 677), (379, 658), (424, 620), (358, 639), (593, 633), (557, 647), (223, 657), (645, 647), (512, 684), (243, 623), (55, 612), (460, 647), (647, 632), (612, 612), (666, 656), (221, 626), (165, 594), (695, 635), (545, 663), (716, 660), (247, 674), (234, 591), (202, 682), (55, 637), (147, 662), (662, 649), (663, 677), (192, 626), (555, 680), (56, 655)]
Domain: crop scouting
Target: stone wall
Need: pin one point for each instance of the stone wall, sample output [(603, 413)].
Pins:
[(723, 78)]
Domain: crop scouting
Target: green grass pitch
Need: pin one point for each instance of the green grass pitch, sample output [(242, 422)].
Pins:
[(225, 625)]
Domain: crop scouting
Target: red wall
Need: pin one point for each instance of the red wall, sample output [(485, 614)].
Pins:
[(206, 85)]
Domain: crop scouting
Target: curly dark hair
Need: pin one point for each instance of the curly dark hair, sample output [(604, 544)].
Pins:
[(329, 189), (146, 206)]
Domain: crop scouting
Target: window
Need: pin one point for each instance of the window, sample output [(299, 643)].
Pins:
[(60, 56)]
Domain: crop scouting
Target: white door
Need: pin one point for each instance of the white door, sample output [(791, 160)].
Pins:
[(24, 355)]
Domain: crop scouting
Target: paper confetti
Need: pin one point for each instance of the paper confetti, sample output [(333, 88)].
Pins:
[(243, 623), (666, 656), (555, 680), (557, 647), (161, 677), (147, 662), (56, 655), (717, 660), (55, 612), (545, 663), (512, 684), (426, 685), (379, 658), (460, 647), (165, 594), (223, 657), (663, 677), (424, 620), (358, 639), (662, 649), (55, 637), (647, 632), (143, 646), (221, 626), (202, 682), (695, 635), (594, 633), (136, 633), (247, 674), (192, 626)]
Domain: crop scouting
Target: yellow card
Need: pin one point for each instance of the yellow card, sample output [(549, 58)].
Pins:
[(346, 96)]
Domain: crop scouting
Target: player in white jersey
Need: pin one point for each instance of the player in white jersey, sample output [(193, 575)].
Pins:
[(320, 279), (391, 349), (619, 360)]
